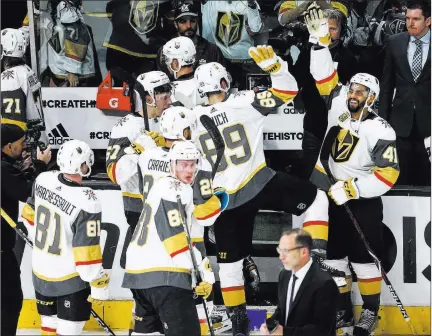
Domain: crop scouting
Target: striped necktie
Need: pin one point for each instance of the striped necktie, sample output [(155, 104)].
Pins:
[(417, 60)]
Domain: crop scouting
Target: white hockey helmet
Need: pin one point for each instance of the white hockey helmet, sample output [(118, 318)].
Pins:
[(175, 120), (180, 48), (67, 12), (368, 81), (13, 42), (183, 150), (209, 77), (151, 81), (72, 154)]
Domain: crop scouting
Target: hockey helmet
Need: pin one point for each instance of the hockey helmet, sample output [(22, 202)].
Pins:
[(175, 120), (368, 81), (184, 150), (180, 48), (13, 42), (209, 77), (154, 82), (72, 155), (67, 12)]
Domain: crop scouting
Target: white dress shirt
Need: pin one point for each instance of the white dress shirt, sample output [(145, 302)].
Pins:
[(425, 49), (300, 274)]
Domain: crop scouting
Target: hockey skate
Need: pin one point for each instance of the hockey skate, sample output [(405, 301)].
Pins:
[(338, 276), (344, 323), (251, 273), (367, 323), (239, 319), (220, 319)]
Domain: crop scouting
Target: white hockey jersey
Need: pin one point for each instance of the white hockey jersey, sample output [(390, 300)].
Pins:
[(240, 118), (158, 254), (65, 218), (226, 24), (154, 165), (363, 150), (186, 92), (20, 96), (122, 168)]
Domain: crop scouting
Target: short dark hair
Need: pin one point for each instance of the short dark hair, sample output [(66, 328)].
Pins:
[(303, 238), (424, 5)]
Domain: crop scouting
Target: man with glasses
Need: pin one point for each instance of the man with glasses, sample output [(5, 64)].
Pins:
[(186, 23), (307, 294)]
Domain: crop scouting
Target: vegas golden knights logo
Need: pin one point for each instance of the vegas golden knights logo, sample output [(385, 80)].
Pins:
[(229, 28), (344, 146), (143, 15)]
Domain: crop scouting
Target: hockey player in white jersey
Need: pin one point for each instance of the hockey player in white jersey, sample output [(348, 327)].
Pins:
[(20, 87), (364, 161), (157, 98), (244, 174), (65, 220), (179, 56), (177, 124), (158, 264)]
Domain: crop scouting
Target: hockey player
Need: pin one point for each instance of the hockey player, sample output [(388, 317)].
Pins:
[(157, 98), (176, 124), (158, 262), (179, 56), (20, 87), (364, 161), (65, 218), (244, 174)]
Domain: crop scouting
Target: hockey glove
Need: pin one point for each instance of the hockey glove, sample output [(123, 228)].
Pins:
[(223, 197), (427, 146), (206, 271), (317, 25), (343, 191), (157, 138), (266, 59), (99, 289), (141, 143), (204, 289)]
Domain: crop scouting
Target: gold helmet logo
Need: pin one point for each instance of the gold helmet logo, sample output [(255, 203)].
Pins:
[(230, 26), (344, 146), (143, 15)]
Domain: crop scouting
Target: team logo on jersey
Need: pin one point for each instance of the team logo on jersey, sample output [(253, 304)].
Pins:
[(90, 194), (344, 146), (144, 15), (7, 74), (58, 135), (175, 184), (67, 304), (230, 27)]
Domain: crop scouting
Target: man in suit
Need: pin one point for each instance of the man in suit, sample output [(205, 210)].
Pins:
[(406, 93), (307, 294)]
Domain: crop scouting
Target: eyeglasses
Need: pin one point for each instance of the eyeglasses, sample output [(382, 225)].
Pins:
[(286, 251)]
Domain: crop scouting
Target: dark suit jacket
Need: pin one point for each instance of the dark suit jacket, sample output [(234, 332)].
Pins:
[(411, 98), (314, 307)]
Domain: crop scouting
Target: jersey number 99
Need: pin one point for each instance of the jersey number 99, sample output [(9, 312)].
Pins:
[(235, 138)]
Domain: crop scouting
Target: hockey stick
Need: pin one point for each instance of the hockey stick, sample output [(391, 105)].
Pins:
[(324, 157), (24, 236), (123, 75), (194, 262), (218, 141)]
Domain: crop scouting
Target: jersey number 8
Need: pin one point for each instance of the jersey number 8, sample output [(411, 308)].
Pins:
[(235, 138)]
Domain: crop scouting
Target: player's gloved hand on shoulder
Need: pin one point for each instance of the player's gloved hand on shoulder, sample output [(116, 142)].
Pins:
[(266, 59), (343, 191), (204, 289), (141, 143), (223, 197), (206, 272), (99, 288), (157, 138), (427, 145), (317, 25)]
